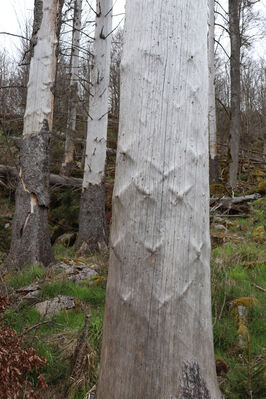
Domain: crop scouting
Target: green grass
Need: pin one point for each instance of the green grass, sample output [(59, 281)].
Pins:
[(25, 277), (62, 251), (236, 267), (21, 319), (57, 341), (93, 295)]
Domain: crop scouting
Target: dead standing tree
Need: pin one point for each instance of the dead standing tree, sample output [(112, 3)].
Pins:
[(73, 91), (92, 220), (234, 28), (30, 236), (212, 108), (157, 340)]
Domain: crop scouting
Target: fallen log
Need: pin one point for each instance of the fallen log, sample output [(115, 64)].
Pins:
[(54, 179), (76, 182), (235, 200), (233, 205)]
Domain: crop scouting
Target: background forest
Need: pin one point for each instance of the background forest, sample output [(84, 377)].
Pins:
[(52, 317)]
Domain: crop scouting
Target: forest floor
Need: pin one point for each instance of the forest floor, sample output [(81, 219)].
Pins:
[(238, 263)]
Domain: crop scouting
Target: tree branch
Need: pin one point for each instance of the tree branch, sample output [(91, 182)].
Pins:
[(13, 34), (223, 27), (216, 41)]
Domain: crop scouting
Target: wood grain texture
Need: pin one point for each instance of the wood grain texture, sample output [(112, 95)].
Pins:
[(40, 98), (158, 307), (98, 110)]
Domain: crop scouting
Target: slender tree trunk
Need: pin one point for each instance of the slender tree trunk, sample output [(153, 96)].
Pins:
[(212, 108), (92, 221), (234, 11), (157, 340), (73, 91), (30, 236)]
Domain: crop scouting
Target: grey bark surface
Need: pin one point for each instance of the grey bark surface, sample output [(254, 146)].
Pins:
[(192, 384), (92, 235), (67, 165), (30, 242), (158, 304), (212, 108), (30, 236), (234, 10), (95, 158), (214, 168)]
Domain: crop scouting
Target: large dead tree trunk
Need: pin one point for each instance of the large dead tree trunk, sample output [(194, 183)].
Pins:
[(73, 91), (30, 236), (92, 221), (212, 108), (157, 340), (234, 12)]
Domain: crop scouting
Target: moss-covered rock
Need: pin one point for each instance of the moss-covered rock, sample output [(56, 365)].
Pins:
[(217, 189), (244, 301), (258, 234), (261, 187)]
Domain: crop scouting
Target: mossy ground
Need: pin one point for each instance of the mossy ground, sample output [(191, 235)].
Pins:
[(57, 340), (238, 270)]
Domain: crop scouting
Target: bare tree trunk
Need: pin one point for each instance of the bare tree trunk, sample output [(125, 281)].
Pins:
[(212, 108), (92, 221), (73, 98), (234, 11), (30, 236), (157, 340)]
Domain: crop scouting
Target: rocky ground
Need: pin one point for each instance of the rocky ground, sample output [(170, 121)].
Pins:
[(60, 309)]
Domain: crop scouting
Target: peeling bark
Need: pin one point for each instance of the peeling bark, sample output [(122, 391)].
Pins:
[(30, 235), (94, 168), (40, 98), (234, 10), (92, 235)]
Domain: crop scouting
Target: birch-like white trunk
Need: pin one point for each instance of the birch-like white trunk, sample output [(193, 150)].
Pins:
[(234, 11), (157, 340), (72, 108), (92, 206), (40, 98), (212, 108), (30, 236)]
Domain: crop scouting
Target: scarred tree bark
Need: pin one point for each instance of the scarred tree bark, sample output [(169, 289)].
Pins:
[(73, 98), (212, 108), (234, 12), (92, 221), (30, 236), (157, 340)]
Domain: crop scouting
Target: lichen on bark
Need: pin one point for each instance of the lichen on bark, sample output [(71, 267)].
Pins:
[(192, 384)]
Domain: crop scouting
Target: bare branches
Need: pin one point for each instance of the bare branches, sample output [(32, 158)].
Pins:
[(91, 7), (13, 34), (219, 13), (223, 27), (219, 4), (13, 87), (216, 41)]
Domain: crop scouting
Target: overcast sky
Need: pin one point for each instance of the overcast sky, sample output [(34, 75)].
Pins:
[(13, 14)]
